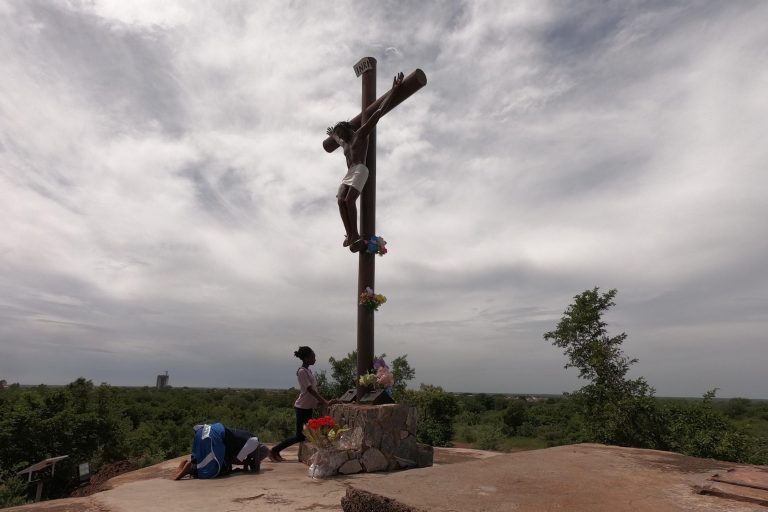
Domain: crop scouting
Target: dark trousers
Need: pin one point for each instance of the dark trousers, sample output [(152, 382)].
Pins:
[(302, 417)]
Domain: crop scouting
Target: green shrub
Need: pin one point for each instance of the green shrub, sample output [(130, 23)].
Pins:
[(436, 411), (13, 490), (489, 437)]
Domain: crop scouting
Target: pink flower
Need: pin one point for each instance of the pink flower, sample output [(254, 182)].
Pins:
[(384, 377)]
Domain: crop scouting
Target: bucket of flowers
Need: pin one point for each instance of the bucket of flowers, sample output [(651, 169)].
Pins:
[(325, 435), (371, 300)]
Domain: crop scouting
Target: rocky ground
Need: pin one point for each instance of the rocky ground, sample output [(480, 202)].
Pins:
[(576, 478)]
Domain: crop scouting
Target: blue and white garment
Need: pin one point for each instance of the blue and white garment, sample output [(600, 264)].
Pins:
[(208, 450)]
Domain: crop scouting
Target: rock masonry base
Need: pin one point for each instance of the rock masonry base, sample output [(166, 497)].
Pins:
[(381, 438)]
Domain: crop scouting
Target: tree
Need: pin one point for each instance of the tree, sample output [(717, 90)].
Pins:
[(343, 373), (436, 410), (616, 409), (403, 373), (515, 415)]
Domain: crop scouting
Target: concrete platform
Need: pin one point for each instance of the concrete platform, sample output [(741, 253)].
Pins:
[(575, 478)]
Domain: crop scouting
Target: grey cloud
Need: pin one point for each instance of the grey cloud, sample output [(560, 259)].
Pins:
[(184, 215), (226, 197), (118, 69)]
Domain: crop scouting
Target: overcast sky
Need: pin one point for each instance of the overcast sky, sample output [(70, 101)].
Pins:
[(166, 204)]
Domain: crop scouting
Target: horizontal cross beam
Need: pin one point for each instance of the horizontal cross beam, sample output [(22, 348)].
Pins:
[(410, 85)]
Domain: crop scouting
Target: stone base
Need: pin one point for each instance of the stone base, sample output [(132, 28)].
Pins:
[(382, 438)]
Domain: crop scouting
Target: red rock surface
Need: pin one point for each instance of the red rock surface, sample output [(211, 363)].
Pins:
[(575, 478)]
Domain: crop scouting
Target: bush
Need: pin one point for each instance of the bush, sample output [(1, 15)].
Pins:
[(515, 415), (489, 436), (436, 411), (700, 430), (13, 490)]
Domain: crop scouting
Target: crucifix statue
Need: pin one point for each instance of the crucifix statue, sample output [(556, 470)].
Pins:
[(358, 140)]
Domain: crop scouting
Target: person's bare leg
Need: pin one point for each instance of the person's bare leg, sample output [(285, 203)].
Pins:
[(343, 213), (185, 468), (344, 190), (351, 209)]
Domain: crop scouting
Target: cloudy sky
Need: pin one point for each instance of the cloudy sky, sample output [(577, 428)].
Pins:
[(166, 204)]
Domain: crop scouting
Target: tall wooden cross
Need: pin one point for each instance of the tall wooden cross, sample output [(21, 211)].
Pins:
[(366, 273)]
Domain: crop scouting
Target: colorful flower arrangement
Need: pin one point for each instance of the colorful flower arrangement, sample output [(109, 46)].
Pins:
[(371, 300), (368, 380), (381, 377), (323, 432), (377, 245)]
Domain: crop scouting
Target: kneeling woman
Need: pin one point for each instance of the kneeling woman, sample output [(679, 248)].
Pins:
[(216, 448)]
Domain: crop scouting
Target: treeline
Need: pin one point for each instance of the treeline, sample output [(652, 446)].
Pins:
[(100, 424), (103, 424), (734, 430)]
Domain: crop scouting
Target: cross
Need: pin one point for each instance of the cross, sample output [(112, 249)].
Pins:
[(366, 273)]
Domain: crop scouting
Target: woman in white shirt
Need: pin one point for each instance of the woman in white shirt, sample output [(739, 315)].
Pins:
[(308, 400)]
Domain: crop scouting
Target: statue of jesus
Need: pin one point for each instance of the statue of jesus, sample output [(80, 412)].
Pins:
[(355, 146)]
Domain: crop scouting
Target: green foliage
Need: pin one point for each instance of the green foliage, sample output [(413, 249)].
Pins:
[(489, 436), (13, 490), (403, 373), (99, 424), (515, 415), (324, 386), (699, 429), (344, 375), (436, 410), (737, 407), (615, 409), (618, 410)]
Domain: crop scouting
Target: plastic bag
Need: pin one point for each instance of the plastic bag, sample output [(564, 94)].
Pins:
[(325, 462), (351, 440)]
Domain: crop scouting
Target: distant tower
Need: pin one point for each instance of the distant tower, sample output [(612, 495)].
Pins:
[(162, 380)]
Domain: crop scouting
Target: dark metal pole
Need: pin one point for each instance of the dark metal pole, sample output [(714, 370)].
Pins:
[(366, 274)]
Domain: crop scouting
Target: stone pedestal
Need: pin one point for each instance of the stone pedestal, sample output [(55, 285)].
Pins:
[(382, 438)]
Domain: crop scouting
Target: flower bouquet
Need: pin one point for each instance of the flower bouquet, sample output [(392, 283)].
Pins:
[(371, 300), (384, 377), (325, 434), (377, 245), (368, 380), (380, 378)]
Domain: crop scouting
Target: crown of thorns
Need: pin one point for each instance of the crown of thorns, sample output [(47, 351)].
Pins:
[(346, 125)]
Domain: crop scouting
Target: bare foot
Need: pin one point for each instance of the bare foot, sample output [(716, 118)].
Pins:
[(185, 468), (346, 241), (275, 457)]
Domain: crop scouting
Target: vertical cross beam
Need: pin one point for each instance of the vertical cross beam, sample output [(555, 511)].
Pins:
[(366, 262), (366, 274)]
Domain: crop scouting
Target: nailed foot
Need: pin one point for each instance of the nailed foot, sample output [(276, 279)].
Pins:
[(358, 245)]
